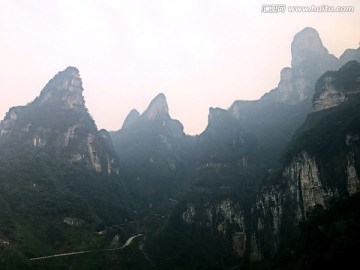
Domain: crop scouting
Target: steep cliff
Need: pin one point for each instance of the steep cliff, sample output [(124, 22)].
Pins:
[(321, 164)]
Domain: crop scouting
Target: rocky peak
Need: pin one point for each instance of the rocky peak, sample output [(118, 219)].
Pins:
[(64, 88), (57, 122), (157, 106), (306, 43), (130, 119), (310, 59)]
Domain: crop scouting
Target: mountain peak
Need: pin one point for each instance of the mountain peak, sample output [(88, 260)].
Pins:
[(65, 88), (130, 119), (306, 44), (310, 59), (157, 106), (71, 70)]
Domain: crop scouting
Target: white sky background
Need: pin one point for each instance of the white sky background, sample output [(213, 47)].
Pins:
[(199, 53)]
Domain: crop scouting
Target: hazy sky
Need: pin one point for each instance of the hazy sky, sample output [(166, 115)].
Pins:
[(199, 53)]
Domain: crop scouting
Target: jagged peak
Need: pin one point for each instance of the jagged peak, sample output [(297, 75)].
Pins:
[(157, 106), (306, 43), (65, 86), (130, 119), (310, 59), (71, 69)]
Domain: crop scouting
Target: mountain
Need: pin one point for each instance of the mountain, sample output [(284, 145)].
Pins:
[(58, 121), (239, 148), (269, 184), (154, 153), (349, 55), (256, 132), (310, 59), (320, 166), (59, 178)]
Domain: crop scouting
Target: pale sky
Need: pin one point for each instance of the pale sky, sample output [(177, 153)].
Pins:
[(199, 53)]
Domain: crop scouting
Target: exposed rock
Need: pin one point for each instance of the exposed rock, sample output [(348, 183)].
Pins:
[(353, 180), (332, 89), (225, 217), (329, 97), (58, 120), (189, 214), (9, 121), (157, 106), (305, 185), (309, 60), (65, 88), (74, 222), (94, 158), (307, 43), (69, 134)]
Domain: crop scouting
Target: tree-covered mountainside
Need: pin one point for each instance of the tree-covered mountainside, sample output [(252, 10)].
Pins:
[(59, 183)]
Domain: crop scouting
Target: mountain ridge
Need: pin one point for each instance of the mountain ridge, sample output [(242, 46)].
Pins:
[(234, 194)]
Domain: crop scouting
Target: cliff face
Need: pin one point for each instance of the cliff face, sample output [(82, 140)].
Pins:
[(225, 219), (335, 87), (321, 163)]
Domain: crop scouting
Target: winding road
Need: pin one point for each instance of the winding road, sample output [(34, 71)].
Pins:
[(128, 242)]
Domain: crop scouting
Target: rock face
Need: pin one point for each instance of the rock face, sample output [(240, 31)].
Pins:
[(157, 107), (314, 171), (58, 120), (65, 89), (330, 96), (226, 219), (332, 90)]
